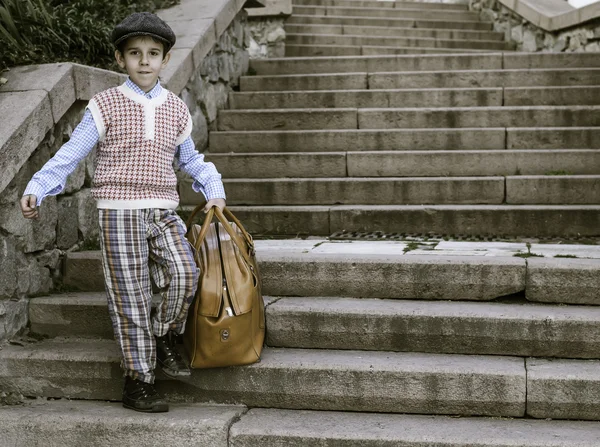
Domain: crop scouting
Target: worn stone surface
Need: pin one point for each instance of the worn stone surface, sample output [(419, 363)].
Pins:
[(74, 423), (287, 378), (317, 428), (418, 277), (568, 281), (563, 389), (440, 327), (55, 79)]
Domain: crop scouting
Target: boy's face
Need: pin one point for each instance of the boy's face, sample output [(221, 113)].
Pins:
[(143, 60)]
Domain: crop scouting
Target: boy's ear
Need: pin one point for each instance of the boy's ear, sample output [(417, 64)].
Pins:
[(119, 58), (166, 58)]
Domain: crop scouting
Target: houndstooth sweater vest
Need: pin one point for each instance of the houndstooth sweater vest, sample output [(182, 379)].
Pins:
[(137, 145)]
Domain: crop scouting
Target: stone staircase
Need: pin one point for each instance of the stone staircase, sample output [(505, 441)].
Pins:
[(482, 141), (371, 347)]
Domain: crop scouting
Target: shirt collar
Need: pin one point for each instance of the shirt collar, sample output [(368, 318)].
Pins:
[(156, 90)]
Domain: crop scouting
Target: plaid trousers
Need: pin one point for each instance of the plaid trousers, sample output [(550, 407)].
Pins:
[(136, 244)]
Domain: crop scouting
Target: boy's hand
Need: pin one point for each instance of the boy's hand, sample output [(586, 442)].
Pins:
[(29, 206), (214, 202)]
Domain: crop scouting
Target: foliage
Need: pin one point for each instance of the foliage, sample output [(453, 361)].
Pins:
[(44, 31)]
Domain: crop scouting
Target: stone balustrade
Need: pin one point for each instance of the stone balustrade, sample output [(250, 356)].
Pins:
[(543, 25)]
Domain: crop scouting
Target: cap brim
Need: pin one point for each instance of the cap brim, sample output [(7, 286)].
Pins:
[(165, 42)]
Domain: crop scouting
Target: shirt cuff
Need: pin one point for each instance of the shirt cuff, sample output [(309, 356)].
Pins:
[(214, 190), (35, 189)]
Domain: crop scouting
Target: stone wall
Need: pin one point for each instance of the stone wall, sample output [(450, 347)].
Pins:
[(32, 250), (531, 38), (267, 37)]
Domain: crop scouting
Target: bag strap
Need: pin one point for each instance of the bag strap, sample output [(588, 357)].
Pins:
[(215, 211), (235, 237)]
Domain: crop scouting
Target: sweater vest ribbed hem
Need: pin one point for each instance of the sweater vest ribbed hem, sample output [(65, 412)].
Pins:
[(137, 204)]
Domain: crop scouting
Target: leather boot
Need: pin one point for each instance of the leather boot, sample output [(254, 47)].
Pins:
[(142, 396), (169, 358)]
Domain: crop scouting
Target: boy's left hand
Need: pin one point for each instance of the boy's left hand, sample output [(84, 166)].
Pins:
[(214, 202)]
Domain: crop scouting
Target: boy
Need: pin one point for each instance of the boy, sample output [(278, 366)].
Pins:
[(140, 129)]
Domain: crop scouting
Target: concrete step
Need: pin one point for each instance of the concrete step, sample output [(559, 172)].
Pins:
[(260, 427), (512, 221), (516, 329), (291, 272), (553, 138), (287, 119), (381, 191), (551, 96), (73, 423), (440, 7), (374, 40), (408, 63), (382, 11), (423, 79), (523, 329), (405, 139), (437, 97), (293, 50), (307, 28), (463, 97), (287, 378), (554, 189), (389, 22), (407, 163), (512, 190), (486, 78), (408, 118)]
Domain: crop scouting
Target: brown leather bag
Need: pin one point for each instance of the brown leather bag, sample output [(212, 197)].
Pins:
[(226, 322)]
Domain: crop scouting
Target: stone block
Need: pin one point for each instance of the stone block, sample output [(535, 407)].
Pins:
[(285, 220), (371, 276), (13, 318), (553, 189), (272, 8), (200, 130), (66, 423), (226, 14), (83, 271), (179, 70), (263, 426), (91, 80), (360, 191), (493, 220), (301, 379), (26, 118), (195, 34), (287, 119), (469, 163), (553, 138), (56, 79), (280, 165), (358, 140), (567, 281), (350, 81), (440, 327), (8, 267), (563, 389)]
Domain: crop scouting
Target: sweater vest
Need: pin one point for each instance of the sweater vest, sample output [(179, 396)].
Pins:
[(136, 149)]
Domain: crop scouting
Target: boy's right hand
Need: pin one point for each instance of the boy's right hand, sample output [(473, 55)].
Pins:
[(29, 206)]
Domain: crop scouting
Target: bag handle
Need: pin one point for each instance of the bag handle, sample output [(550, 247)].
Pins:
[(215, 211)]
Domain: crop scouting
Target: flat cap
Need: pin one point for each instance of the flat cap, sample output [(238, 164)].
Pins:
[(144, 24)]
